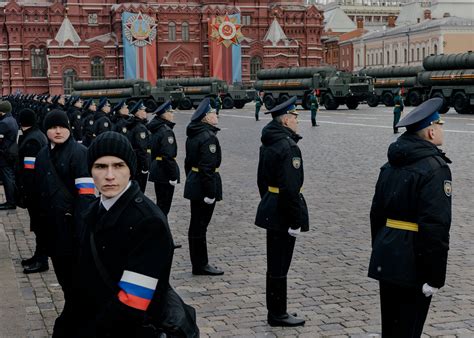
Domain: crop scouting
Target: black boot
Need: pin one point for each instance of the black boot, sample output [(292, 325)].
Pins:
[(29, 261), (7, 206), (276, 304), (38, 266), (199, 258)]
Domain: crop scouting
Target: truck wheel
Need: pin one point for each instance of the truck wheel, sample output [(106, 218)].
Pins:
[(387, 99), (352, 103), (444, 109), (329, 102), (414, 98), (283, 98), (151, 105), (269, 102), (461, 103), (239, 104), (227, 103), (373, 100), (185, 104)]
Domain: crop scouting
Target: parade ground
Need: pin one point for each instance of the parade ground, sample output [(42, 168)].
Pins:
[(327, 282)]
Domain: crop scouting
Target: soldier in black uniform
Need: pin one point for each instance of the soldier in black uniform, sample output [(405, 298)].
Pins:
[(282, 210), (121, 118), (164, 170), (29, 145), (8, 154), (129, 235), (139, 137), (74, 114), (89, 110), (102, 122), (410, 220), (203, 182), (65, 190)]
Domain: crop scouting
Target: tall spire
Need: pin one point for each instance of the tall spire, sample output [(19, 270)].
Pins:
[(275, 33), (67, 32)]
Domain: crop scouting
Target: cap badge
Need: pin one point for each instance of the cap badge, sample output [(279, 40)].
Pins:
[(296, 162)]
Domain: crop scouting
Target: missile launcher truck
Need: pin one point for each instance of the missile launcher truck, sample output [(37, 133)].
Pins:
[(131, 90), (334, 87), (197, 88)]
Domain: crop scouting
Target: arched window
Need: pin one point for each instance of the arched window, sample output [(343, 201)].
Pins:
[(358, 59), (376, 58), (435, 49), (424, 53), (255, 65), (171, 31), (185, 31), (39, 66), (97, 68), (388, 57), (69, 76), (396, 56), (405, 55), (418, 54)]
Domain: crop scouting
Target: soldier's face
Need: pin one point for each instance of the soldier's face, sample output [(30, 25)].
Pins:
[(168, 116), (211, 118), (111, 175), (58, 134), (141, 114), (93, 107), (291, 121), (437, 134), (124, 110)]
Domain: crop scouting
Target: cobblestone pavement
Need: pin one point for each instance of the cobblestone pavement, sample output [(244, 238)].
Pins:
[(327, 280)]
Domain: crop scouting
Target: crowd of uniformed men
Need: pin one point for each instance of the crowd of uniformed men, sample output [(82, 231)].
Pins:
[(121, 239)]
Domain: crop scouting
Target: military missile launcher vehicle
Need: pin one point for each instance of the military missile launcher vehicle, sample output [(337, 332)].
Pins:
[(334, 87), (131, 90), (198, 88), (450, 77), (388, 80)]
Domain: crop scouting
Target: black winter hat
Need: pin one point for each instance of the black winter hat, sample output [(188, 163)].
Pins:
[(5, 106), (27, 118), (112, 143), (56, 117)]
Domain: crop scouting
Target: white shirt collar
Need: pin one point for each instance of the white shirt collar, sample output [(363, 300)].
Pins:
[(109, 202)]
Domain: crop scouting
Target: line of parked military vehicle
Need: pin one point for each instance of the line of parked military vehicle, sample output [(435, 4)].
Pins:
[(450, 77)]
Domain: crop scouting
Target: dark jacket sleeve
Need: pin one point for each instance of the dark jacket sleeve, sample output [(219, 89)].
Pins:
[(168, 154), (27, 177), (290, 179), (140, 145), (207, 165), (434, 223), (147, 269), (84, 185), (378, 219)]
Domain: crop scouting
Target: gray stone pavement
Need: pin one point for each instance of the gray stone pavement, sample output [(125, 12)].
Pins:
[(327, 282)]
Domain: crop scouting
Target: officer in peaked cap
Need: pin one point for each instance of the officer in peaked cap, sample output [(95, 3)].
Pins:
[(412, 207), (164, 170), (202, 110), (163, 108), (139, 137), (282, 210), (203, 182), (121, 117), (138, 106), (74, 113), (88, 111), (102, 122)]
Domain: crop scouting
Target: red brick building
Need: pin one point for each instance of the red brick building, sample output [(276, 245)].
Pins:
[(47, 45)]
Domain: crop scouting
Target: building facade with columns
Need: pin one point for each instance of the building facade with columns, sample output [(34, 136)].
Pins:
[(46, 45), (409, 45)]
